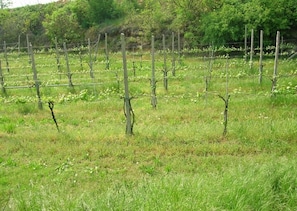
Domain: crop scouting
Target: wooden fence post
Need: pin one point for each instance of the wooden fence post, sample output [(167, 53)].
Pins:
[(173, 56), (252, 49), (35, 78), (69, 74), (274, 79), (261, 58), (2, 80), (127, 100), (5, 56), (153, 80), (165, 70)]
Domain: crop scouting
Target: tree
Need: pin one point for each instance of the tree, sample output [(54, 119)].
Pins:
[(102, 10), (5, 3), (81, 9), (63, 25)]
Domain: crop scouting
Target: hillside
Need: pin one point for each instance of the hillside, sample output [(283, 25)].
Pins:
[(220, 22)]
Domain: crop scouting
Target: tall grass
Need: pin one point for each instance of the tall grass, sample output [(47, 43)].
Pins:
[(178, 158)]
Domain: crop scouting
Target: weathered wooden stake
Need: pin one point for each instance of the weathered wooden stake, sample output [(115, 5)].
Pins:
[(97, 47), (35, 78), (153, 80), (274, 79), (252, 49), (173, 56), (90, 59), (165, 70), (127, 100), (28, 48), (261, 58), (106, 53), (5, 56), (2, 80), (69, 74)]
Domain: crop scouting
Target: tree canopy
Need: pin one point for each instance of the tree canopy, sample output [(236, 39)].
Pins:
[(201, 21)]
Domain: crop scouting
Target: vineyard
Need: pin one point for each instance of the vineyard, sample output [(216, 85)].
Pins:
[(210, 131)]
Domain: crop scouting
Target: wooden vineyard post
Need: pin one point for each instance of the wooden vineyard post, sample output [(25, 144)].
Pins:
[(173, 56), (165, 70), (274, 79), (19, 45), (2, 80), (69, 74), (153, 80), (133, 63), (80, 58), (261, 58), (178, 47), (58, 57), (90, 58), (245, 43), (35, 78), (127, 100), (252, 49), (226, 101), (106, 53), (28, 48), (5, 56), (97, 47)]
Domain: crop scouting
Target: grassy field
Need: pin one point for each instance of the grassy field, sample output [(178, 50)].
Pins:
[(177, 159)]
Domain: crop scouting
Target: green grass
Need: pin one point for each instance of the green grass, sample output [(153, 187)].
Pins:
[(177, 158)]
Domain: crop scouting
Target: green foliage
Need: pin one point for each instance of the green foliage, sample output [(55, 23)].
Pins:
[(226, 24), (102, 10), (63, 25)]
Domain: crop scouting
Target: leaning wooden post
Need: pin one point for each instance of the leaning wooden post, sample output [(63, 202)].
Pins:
[(127, 104), (5, 56), (90, 59), (2, 80), (35, 78), (153, 80), (106, 53), (173, 56), (252, 49), (261, 58), (165, 70), (274, 79), (69, 74)]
